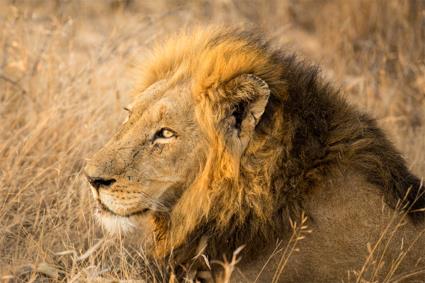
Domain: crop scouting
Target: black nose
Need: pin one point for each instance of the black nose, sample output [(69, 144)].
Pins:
[(98, 182)]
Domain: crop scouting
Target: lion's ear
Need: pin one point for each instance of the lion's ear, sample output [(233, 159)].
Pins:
[(248, 95)]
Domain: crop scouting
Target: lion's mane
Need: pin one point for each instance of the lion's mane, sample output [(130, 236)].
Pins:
[(307, 134)]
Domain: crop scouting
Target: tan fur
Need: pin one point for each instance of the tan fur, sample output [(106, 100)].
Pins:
[(298, 147)]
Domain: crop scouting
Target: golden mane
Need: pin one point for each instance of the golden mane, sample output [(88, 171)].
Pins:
[(307, 133), (210, 58)]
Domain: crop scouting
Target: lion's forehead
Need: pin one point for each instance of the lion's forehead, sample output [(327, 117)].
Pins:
[(151, 94), (155, 107)]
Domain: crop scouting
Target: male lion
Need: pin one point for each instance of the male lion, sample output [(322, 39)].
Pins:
[(228, 142)]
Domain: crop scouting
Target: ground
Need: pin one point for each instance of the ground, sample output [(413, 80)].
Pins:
[(66, 68)]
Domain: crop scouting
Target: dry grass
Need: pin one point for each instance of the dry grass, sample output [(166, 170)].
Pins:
[(64, 74)]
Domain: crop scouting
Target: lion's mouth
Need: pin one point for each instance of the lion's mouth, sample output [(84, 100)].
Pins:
[(103, 210)]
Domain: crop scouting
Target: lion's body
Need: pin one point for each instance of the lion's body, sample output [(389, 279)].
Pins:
[(341, 229), (309, 152)]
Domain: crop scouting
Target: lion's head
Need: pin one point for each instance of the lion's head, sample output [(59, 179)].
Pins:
[(184, 156), (150, 161)]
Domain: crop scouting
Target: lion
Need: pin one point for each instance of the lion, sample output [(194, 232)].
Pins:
[(229, 141)]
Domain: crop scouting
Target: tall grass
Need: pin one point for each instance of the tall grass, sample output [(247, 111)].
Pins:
[(65, 69)]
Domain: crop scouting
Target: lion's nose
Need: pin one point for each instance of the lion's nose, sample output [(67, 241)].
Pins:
[(97, 178), (99, 182)]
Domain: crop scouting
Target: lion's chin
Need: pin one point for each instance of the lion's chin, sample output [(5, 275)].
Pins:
[(115, 224)]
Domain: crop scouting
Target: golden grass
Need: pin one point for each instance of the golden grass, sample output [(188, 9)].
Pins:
[(65, 70)]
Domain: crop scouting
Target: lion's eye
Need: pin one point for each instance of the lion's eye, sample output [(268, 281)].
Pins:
[(164, 133)]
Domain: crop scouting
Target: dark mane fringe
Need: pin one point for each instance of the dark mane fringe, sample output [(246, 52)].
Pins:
[(328, 132)]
